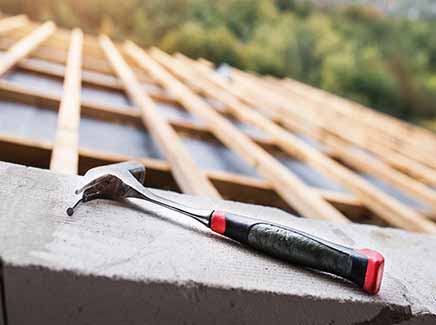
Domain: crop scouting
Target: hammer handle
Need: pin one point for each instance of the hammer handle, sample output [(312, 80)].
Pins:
[(364, 267)]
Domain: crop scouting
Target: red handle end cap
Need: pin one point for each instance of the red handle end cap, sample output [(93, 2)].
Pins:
[(374, 270), (218, 222)]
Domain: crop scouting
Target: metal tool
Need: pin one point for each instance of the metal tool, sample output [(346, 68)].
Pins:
[(364, 267)]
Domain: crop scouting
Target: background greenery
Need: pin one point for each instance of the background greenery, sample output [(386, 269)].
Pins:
[(386, 62)]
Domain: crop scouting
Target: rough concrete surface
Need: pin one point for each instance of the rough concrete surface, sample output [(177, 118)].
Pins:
[(108, 264)]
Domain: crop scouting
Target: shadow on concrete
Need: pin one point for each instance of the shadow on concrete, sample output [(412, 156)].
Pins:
[(236, 245)]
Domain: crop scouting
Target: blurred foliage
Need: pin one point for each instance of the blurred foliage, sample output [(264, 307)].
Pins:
[(384, 62)]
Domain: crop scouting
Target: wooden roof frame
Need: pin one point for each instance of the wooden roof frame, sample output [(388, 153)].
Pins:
[(404, 154)]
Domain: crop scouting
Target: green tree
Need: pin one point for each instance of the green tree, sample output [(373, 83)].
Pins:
[(356, 52)]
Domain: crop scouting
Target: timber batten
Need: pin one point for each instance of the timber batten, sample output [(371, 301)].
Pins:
[(248, 138)]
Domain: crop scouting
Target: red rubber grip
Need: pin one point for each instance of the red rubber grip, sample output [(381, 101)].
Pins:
[(218, 222), (374, 270)]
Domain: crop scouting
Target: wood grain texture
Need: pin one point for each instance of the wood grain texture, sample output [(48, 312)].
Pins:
[(36, 153), (406, 136), (365, 136), (398, 154), (10, 23), (287, 185), (65, 155), (385, 206), (186, 172), (21, 93), (26, 45), (391, 211)]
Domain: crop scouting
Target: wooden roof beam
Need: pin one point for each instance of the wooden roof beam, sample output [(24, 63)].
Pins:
[(91, 78), (186, 172), (99, 111), (401, 129), (334, 126), (23, 47), (390, 210), (65, 155), (287, 185), (37, 152), (379, 169), (394, 169), (58, 55), (366, 164), (11, 23), (402, 140)]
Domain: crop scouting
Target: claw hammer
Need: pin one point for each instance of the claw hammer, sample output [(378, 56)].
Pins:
[(363, 267)]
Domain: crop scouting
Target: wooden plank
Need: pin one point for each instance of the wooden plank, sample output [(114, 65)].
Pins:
[(287, 185), (29, 152), (56, 52), (395, 160), (317, 123), (235, 187), (93, 56), (97, 79), (320, 125), (58, 55), (231, 186), (313, 158), (405, 132), (397, 175), (113, 114), (388, 132), (186, 172), (26, 45), (386, 207), (52, 42), (65, 156), (372, 166), (11, 23), (56, 49)]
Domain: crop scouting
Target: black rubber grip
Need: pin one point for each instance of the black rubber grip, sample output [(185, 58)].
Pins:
[(300, 248), (363, 267)]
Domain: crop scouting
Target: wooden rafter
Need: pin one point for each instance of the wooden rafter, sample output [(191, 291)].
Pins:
[(386, 138), (11, 23), (24, 46), (388, 133), (101, 111), (366, 164), (389, 209), (287, 185), (65, 157), (316, 124), (351, 135), (18, 93), (232, 186), (186, 172), (405, 133), (91, 78)]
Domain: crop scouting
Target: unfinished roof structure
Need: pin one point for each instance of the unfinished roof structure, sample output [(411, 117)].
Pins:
[(70, 102)]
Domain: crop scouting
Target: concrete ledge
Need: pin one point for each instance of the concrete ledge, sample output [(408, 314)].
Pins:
[(109, 265)]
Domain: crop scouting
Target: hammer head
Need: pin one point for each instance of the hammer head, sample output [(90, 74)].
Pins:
[(112, 182)]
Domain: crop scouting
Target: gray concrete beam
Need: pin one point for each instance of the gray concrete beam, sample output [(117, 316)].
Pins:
[(109, 264)]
